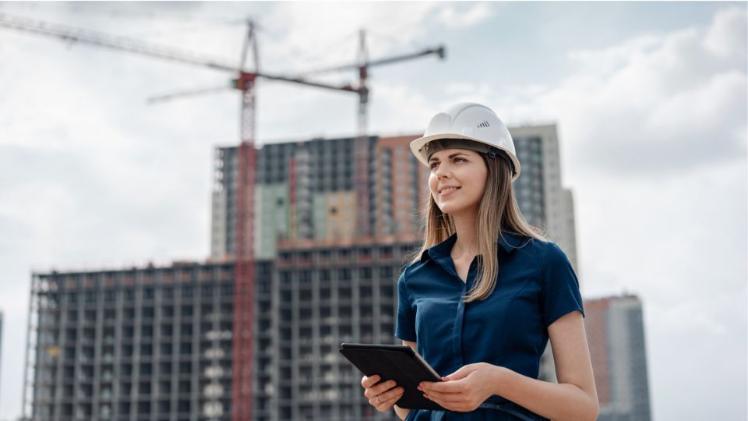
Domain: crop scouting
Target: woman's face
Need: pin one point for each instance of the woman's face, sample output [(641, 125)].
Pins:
[(460, 168)]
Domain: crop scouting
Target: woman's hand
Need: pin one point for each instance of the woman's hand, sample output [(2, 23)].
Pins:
[(465, 389), (382, 395)]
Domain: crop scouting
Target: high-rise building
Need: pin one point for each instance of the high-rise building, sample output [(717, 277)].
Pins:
[(313, 190), (539, 189), (615, 331), (335, 221)]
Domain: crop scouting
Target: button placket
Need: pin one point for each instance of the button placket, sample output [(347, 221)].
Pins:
[(459, 320)]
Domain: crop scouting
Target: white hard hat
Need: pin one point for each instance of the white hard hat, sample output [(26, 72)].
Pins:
[(468, 121)]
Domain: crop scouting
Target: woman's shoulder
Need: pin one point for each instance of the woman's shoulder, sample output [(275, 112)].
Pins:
[(513, 241), (554, 256), (413, 265), (542, 251), (409, 267)]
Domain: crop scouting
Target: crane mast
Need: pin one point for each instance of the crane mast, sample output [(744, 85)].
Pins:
[(242, 353)]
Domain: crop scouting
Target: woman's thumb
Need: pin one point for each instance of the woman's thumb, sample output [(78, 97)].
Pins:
[(462, 372)]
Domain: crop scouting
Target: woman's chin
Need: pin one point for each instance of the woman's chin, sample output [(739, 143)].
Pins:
[(451, 209)]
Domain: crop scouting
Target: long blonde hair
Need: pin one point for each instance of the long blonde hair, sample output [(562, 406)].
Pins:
[(497, 209)]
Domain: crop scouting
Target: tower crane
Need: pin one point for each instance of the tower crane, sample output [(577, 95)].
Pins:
[(362, 67), (244, 81)]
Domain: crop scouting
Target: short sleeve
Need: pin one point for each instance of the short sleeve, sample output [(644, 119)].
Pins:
[(405, 325), (560, 286)]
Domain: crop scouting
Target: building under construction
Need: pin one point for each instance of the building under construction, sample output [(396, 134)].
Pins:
[(334, 222)]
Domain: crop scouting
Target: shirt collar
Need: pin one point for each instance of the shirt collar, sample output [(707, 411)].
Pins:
[(508, 241)]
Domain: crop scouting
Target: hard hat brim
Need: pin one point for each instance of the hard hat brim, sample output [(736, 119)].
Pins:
[(417, 144)]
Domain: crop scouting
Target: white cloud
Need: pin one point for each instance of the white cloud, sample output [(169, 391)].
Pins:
[(726, 37), (459, 16), (651, 105)]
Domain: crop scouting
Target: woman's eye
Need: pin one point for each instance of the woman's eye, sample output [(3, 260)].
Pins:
[(435, 164)]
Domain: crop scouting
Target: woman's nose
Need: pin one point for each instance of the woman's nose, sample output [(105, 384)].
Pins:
[(441, 174), (442, 171)]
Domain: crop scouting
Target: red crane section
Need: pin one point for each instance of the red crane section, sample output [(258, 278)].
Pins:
[(242, 355)]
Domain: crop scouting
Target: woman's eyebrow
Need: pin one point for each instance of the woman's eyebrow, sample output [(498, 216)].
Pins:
[(451, 156)]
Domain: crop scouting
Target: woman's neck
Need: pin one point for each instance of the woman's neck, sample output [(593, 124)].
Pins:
[(466, 244)]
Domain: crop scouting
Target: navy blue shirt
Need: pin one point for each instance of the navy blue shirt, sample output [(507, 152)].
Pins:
[(536, 285)]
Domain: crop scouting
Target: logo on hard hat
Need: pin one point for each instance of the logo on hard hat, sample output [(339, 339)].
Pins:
[(484, 123)]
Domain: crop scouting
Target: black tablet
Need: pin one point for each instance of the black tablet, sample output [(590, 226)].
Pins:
[(395, 362)]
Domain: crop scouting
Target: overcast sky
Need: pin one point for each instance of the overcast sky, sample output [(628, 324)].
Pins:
[(649, 99)]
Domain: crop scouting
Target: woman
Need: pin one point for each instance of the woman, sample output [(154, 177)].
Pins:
[(486, 321)]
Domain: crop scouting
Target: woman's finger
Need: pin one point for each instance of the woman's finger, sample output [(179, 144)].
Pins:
[(395, 393), (454, 386), (450, 406), (383, 387), (379, 388), (388, 396), (386, 400), (370, 381), (446, 397)]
